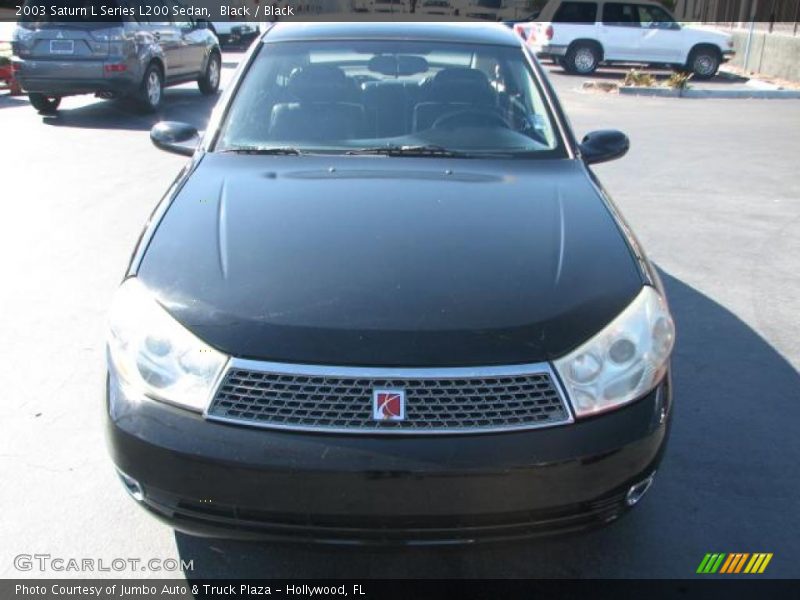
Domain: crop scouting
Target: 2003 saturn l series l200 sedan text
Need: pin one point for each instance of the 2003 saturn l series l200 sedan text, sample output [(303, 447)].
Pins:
[(387, 300)]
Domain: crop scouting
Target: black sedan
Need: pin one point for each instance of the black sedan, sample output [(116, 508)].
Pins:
[(387, 300)]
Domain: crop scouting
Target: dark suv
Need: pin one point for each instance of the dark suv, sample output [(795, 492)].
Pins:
[(133, 57)]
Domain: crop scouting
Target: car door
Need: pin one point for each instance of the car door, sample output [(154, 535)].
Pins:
[(193, 44), (661, 37), (169, 38), (620, 31)]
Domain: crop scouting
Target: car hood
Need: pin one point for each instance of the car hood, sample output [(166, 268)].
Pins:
[(710, 35), (390, 261)]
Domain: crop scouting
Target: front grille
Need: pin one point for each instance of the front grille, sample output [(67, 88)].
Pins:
[(436, 401)]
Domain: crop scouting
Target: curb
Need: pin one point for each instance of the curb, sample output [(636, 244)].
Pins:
[(763, 85), (755, 89), (755, 82), (734, 77), (601, 86), (695, 93)]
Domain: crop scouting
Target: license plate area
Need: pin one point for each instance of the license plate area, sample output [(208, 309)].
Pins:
[(62, 47)]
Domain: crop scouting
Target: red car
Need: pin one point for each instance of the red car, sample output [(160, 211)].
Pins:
[(7, 80)]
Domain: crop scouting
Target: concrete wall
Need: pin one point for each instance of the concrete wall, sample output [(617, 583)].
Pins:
[(770, 54)]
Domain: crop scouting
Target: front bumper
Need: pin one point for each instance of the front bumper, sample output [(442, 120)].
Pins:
[(220, 480)]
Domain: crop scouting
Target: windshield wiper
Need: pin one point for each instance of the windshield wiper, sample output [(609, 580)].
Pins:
[(263, 150), (429, 150)]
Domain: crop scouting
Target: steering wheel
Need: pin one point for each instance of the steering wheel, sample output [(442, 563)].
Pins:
[(471, 117)]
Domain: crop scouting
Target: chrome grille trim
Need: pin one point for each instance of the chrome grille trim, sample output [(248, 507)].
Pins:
[(379, 376)]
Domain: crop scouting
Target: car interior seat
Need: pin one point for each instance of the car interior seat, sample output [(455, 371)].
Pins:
[(322, 105), (451, 90)]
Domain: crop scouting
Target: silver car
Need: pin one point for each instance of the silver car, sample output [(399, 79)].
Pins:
[(131, 57)]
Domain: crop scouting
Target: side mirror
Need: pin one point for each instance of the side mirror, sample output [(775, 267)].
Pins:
[(178, 138), (604, 145)]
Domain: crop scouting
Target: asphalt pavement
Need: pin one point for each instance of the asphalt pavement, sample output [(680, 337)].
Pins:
[(709, 186)]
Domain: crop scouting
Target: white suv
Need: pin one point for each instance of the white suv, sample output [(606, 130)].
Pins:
[(582, 34)]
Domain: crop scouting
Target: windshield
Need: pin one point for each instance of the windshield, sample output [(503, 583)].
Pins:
[(345, 96)]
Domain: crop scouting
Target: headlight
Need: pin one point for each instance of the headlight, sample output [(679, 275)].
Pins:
[(622, 362), (156, 355)]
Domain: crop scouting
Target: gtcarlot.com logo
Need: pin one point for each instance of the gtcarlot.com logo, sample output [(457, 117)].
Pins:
[(47, 562), (741, 562)]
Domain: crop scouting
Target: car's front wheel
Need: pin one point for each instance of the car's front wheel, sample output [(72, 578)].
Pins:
[(46, 105), (704, 63), (582, 59), (151, 90), (209, 82)]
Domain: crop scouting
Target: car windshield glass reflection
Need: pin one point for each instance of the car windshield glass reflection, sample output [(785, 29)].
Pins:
[(346, 96)]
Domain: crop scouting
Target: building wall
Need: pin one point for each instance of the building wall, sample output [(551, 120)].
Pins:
[(770, 54), (763, 11)]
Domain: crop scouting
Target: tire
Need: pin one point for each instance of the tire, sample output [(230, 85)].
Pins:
[(151, 90), (46, 105), (582, 59), (209, 82), (704, 63)]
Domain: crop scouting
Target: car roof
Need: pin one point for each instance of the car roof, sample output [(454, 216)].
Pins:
[(467, 33), (652, 2), (552, 5)]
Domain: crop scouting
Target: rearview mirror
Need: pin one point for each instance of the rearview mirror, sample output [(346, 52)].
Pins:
[(178, 138), (396, 66), (604, 145)]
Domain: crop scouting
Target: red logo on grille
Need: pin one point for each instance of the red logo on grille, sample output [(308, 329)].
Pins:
[(388, 405)]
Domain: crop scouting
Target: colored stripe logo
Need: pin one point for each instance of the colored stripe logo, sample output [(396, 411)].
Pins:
[(737, 562)]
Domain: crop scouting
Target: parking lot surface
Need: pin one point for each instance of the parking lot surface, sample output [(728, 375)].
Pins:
[(710, 187)]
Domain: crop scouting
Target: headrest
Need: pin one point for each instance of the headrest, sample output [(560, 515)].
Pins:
[(320, 83), (395, 66), (461, 85)]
